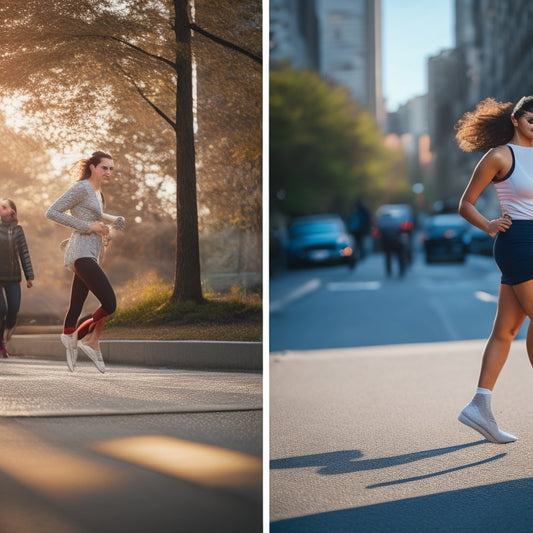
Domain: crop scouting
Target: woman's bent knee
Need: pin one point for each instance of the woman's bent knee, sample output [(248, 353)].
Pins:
[(505, 335)]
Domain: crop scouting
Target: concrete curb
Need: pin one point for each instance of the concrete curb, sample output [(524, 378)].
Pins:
[(194, 355)]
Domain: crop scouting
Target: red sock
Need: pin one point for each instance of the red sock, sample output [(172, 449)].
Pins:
[(85, 328), (69, 331)]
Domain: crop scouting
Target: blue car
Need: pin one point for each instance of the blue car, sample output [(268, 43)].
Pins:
[(446, 238), (319, 239)]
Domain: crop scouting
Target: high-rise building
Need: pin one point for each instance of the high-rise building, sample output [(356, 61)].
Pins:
[(340, 39), (294, 33), (350, 49)]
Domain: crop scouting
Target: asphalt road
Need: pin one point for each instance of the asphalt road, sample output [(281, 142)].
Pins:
[(367, 440), (334, 307), (367, 378), (134, 450)]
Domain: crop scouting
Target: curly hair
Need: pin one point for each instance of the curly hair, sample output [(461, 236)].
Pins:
[(81, 169), (489, 125)]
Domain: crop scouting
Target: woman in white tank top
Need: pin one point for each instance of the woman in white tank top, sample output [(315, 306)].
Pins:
[(505, 133)]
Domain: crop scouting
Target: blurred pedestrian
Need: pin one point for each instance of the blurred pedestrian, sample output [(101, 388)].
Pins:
[(359, 225), (13, 252), (505, 133), (85, 202), (394, 228)]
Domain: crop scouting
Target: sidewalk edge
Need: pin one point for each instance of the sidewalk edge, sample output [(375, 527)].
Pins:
[(194, 355)]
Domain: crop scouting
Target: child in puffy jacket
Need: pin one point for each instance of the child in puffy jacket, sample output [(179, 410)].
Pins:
[(13, 252)]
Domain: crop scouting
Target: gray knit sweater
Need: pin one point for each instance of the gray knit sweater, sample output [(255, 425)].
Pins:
[(85, 208)]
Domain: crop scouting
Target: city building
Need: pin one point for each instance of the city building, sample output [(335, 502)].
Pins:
[(340, 39), (350, 49), (294, 33)]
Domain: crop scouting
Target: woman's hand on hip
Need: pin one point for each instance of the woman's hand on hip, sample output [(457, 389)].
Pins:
[(499, 224)]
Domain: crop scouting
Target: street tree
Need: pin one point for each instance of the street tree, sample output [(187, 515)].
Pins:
[(324, 150), (78, 69)]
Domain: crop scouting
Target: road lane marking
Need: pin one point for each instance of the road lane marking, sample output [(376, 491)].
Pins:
[(486, 297), (354, 286), (50, 469), (307, 288), (201, 464)]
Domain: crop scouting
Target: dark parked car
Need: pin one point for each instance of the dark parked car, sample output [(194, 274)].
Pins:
[(481, 243), (319, 239), (446, 238)]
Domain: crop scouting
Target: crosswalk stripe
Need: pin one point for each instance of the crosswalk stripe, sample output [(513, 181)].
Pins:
[(354, 286)]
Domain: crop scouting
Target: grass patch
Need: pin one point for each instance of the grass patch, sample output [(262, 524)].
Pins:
[(148, 314)]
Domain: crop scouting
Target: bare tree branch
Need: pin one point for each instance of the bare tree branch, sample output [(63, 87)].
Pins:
[(227, 44), (163, 115), (134, 47)]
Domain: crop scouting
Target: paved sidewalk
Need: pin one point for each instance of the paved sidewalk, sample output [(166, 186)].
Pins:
[(367, 440), (45, 388), (197, 355)]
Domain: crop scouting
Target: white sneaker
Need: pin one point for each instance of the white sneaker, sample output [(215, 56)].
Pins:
[(70, 343), (94, 355), (480, 418)]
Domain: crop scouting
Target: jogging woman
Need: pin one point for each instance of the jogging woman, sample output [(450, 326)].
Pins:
[(505, 132), (85, 202)]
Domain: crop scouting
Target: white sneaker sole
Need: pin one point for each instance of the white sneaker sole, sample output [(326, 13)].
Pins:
[(480, 429), (92, 354)]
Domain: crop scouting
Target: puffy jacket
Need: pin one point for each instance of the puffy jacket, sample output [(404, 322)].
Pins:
[(12, 247)]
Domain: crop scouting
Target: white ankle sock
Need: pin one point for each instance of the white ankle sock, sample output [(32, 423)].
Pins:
[(478, 415), (481, 390)]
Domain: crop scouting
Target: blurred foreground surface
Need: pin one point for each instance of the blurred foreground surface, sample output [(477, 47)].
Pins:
[(134, 450)]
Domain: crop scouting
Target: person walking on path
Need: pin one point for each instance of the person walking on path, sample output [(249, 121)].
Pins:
[(505, 133), (85, 202), (13, 252)]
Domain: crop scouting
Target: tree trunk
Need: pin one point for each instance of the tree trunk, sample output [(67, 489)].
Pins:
[(187, 283)]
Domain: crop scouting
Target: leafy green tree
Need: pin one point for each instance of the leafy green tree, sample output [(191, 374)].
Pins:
[(82, 70), (324, 151)]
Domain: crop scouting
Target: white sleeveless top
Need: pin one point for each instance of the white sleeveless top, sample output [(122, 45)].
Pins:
[(515, 189)]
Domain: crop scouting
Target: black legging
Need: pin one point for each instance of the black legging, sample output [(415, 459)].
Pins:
[(9, 306), (88, 276)]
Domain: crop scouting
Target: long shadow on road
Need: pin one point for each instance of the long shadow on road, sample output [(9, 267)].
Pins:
[(347, 461), (501, 507), (493, 508)]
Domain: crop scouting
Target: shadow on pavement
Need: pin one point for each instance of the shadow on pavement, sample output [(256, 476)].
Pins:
[(347, 461), (500, 507)]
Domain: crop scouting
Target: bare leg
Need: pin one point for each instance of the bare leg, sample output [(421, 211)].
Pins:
[(524, 294), (478, 413), (509, 318)]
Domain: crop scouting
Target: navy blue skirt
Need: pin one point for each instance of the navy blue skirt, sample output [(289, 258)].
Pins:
[(513, 252)]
